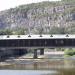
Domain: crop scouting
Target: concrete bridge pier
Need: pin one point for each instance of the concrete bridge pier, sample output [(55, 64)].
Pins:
[(35, 54), (42, 51)]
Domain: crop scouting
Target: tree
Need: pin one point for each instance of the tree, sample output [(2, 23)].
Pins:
[(20, 31), (57, 30), (70, 51), (6, 32)]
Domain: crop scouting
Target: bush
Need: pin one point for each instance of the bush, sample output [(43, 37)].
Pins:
[(6, 32), (70, 52), (57, 30)]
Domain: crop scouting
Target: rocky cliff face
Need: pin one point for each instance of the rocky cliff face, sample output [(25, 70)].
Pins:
[(39, 17)]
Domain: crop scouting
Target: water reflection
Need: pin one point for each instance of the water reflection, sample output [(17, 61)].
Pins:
[(43, 64), (56, 66)]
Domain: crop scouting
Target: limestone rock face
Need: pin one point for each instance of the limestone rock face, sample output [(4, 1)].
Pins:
[(39, 16)]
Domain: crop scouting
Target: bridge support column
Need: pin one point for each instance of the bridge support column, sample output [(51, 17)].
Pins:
[(42, 51), (35, 54)]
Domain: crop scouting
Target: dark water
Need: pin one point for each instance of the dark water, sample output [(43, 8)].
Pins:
[(39, 67)]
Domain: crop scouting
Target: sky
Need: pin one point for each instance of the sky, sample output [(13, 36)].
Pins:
[(7, 4)]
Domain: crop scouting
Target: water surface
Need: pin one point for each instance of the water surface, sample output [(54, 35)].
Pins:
[(54, 66)]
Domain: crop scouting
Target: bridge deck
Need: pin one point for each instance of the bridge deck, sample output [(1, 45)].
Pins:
[(2, 37), (35, 41)]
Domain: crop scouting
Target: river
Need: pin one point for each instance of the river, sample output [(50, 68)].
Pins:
[(45, 66)]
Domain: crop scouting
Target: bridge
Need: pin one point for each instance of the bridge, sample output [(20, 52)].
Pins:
[(36, 42)]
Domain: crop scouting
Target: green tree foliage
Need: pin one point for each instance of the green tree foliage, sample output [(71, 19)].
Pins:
[(70, 52), (6, 32), (20, 31), (57, 30), (2, 32), (71, 29)]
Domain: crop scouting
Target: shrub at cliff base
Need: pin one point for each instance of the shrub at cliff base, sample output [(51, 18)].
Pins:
[(70, 52)]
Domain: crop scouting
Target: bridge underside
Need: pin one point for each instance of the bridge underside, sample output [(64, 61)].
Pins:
[(37, 43)]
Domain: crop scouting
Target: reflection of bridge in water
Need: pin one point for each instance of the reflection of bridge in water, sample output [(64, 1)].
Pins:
[(36, 42)]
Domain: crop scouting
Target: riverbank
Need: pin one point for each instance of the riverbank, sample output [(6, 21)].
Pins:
[(29, 57)]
